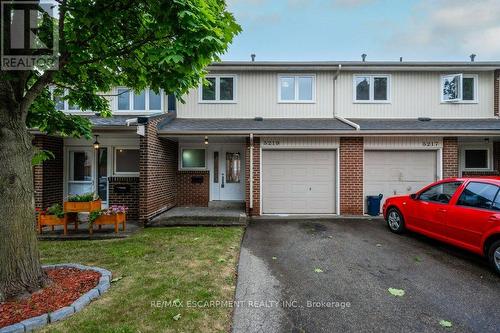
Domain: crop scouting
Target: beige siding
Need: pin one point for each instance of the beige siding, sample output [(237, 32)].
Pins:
[(257, 96), (414, 94)]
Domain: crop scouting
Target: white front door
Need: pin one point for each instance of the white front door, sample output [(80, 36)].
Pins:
[(228, 173), (80, 170)]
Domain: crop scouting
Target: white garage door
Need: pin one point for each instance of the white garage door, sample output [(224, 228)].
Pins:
[(298, 182), (398, 172)]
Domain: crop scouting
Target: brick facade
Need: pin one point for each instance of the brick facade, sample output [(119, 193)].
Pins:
[(351, 176), (124, 191), (158, 171), (48, 177), (255, 211), (450, 157), (191, 193)]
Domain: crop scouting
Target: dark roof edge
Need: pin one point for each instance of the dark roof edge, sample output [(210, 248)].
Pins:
[(145, 119)]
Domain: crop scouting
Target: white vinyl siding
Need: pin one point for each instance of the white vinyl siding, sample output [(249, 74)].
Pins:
[(257, 97), (415, 94)]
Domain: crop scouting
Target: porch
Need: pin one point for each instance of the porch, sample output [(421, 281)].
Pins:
[(218, 213)]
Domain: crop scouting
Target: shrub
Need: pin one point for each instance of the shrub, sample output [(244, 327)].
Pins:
[(86, 197)]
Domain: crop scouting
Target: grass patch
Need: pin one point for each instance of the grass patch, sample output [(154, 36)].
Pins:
[(157, 264)]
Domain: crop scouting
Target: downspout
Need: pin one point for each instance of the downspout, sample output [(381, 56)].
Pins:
[(342, 119), (251, 171)]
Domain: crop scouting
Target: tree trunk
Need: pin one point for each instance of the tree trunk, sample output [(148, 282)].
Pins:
[(20, 268)]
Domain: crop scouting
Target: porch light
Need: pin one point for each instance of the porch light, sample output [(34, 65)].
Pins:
[(96, 143), (206, 140)]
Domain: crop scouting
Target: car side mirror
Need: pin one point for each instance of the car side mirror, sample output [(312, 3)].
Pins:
[(413, 196)]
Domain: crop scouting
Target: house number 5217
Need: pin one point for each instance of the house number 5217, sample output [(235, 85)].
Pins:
[(430, 143)]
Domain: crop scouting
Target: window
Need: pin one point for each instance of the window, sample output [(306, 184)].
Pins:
[(371, 88), (296, 88), (126, 160), (478, 195), (459, 88), (218, 89), (233, 167), (441, 193), (146, 100), (61, 103), (476, 158), (193, 158)]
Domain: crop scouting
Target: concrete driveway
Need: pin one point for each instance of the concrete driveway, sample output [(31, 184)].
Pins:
[(281, 288)]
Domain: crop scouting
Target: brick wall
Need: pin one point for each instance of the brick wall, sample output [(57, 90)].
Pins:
[(496, 94), (255, 211), (158, 171), (48, 176), (129, 199), (351, 176), (190, 194), (450, 157)]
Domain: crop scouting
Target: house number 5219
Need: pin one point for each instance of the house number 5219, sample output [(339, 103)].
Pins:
[(271, 143)]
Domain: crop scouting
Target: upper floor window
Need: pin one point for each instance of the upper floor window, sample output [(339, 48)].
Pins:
[(218, 89), (146, 100), (296, 88), (459, 88), (372, 88), (61, 103)]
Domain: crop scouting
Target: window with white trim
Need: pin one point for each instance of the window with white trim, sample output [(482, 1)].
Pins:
[(218, 89), (61, 103), (459, 88), (370, 88), (296, 88), (476, 158), (146, 100), (193, 158), (126, 161)]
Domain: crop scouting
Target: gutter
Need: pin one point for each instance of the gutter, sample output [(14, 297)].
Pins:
[(342, 119)]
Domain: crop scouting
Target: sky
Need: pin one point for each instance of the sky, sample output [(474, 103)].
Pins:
[(331, 30)]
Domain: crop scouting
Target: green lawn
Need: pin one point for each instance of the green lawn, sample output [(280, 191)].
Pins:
[(157, 264)]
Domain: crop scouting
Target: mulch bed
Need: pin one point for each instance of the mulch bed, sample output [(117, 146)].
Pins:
[(68, 284)]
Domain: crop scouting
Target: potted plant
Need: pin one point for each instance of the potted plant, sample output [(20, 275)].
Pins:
[(54, 215), (87, 202), (113, 215)]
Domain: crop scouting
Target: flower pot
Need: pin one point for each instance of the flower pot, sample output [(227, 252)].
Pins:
[(115, 219), (52, 220), (80, 207)]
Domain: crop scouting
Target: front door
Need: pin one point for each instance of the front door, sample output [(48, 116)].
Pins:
[(228, 173), (80, 171)]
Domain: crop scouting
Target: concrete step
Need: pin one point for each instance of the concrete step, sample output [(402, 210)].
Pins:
[(226, 205)]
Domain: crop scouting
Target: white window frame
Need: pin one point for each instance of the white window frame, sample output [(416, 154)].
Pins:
[(65, 102), (117, 173), (487, 147), (461, 100), (181, 167), (217, 99), (131, 101), (371, 99), (296, 99)]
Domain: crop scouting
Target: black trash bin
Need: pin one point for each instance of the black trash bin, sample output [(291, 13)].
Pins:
[(373, 204)]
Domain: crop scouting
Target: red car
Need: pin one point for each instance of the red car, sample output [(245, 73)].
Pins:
[(464, 212)]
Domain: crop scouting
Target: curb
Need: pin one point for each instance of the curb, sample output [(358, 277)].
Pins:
[(33, 323)]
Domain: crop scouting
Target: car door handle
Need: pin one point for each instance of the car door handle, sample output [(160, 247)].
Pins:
[(442, 210)]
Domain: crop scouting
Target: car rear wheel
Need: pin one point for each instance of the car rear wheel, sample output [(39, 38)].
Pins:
[(494, 256), (395, 221)]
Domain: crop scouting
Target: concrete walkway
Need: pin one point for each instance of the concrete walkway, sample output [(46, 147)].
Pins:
[(334, 276)]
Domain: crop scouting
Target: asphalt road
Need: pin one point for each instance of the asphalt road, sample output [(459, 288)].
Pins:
[(334, 276)]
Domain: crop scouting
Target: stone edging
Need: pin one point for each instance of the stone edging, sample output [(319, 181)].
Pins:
[(30, 324)]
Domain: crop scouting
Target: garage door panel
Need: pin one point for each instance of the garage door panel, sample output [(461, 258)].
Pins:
[(304, 185), (398, 172)]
